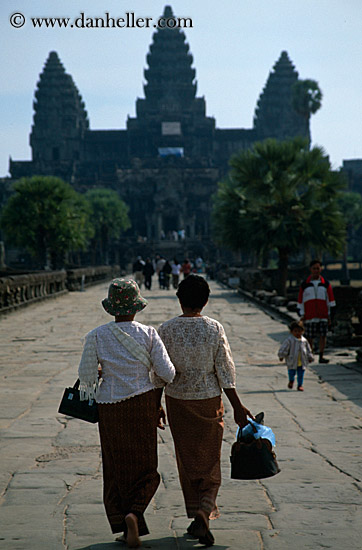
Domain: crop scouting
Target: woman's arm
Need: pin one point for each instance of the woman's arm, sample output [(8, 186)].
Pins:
[(240, 412), (164, 371), (88, 368), (161, 419)]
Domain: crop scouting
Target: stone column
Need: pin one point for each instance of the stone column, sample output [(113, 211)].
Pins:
[(150, 224), (192, 226), (2, 255), (158, 226)]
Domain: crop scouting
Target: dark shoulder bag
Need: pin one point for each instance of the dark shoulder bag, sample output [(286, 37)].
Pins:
[(254, 460), (71, 405)]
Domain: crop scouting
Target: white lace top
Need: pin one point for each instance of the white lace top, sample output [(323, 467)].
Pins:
[(123, 376), (200, 352)]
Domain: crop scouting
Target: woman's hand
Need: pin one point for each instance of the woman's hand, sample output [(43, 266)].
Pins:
[(161, 419), (240, 412), (240, 415)]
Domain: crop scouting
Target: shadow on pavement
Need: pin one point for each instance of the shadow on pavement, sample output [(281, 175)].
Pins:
[(279, 336), (268, 365), (103, 546), (345, 378), (257, 392), (166, 543)]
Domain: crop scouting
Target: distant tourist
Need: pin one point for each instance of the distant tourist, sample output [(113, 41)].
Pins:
[(186, 268), (148, 271), (176, 268), (166, 275), (315, 301), (129, 406), (297, 354), (160, 262), (199, 264), (200, 352), (137, 269)]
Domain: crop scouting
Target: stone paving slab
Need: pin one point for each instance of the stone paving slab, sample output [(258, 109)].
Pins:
[(50, 465)]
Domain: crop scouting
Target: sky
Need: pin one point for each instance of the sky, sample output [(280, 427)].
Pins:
[(234, 43)]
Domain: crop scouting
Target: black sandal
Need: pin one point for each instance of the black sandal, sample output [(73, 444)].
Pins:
[(207, 539), (199, 530), (191, 529)]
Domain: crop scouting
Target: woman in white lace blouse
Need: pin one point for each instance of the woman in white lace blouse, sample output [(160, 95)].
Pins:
[(200, 352), (128, 406)]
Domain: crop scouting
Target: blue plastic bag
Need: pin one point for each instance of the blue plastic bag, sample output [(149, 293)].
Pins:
[(261, 431)]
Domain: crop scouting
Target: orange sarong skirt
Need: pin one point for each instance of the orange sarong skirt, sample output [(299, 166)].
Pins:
[(197, 429)]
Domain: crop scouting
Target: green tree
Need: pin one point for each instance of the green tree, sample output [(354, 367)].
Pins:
[(283, 196), (350, 205), (46, 217), (306, 99), (109, 216)]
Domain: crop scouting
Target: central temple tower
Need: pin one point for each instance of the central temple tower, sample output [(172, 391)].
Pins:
[(170, 116)]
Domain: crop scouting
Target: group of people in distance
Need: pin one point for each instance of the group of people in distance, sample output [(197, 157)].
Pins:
[(167, 271), (126, 366)]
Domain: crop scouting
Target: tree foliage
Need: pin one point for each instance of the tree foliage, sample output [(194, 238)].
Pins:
[(350, 204), (307, 97), (109, 217), (47, 217), (283, 196)]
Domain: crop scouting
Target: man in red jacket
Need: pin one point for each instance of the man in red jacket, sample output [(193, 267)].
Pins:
[(315, 300)]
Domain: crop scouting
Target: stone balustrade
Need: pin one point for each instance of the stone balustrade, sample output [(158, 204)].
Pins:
[(80, 278), (18, 290), (23, 289)]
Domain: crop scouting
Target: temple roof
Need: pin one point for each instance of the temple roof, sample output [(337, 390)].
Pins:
[(274, 113), (57, 100), (170, 77)]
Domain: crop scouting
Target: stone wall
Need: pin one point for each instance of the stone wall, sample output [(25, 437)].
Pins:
[(80, 278), (18, 290), (25, 289), (348, 307)]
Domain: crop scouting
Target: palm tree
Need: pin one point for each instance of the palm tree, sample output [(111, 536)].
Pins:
[(283, 196), (351, 207), (306, 99)]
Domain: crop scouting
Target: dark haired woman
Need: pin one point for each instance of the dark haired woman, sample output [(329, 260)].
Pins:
[(198, 347)]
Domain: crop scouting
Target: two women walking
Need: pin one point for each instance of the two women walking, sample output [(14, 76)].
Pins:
[(191, 358)]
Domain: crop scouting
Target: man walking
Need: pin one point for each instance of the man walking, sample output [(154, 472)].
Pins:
[(315, 301), (137, 269)]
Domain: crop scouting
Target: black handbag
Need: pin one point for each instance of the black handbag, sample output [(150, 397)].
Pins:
[(253, 460), (71, 405)]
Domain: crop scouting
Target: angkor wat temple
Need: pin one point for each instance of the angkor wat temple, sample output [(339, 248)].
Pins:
[(168, 160)]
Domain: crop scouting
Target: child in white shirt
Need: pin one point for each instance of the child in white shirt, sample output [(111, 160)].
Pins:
[(297, 354)]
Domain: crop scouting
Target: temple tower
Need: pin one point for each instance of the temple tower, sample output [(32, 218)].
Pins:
[(60, 121), (275, 116), (171, 85), (170, 116)]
